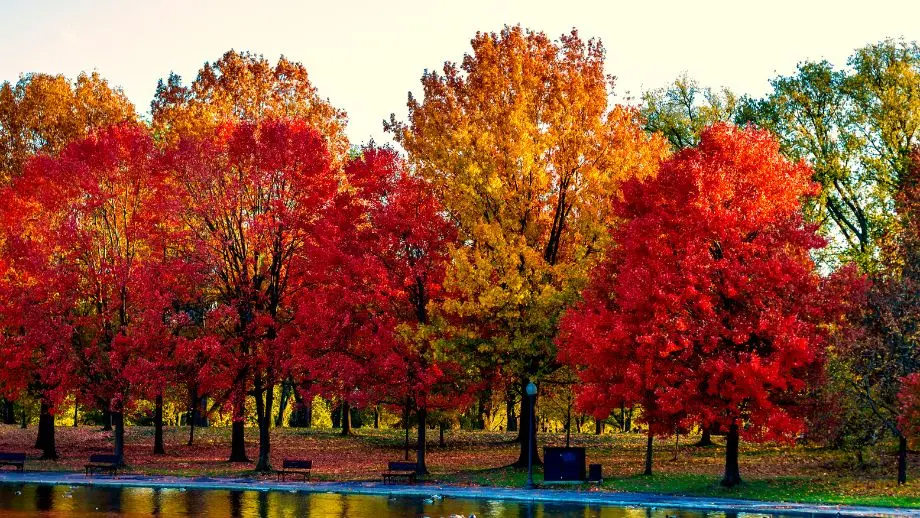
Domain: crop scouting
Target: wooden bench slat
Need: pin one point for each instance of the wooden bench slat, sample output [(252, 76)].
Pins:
[(300, 467), (400, 469), (100, 462), (297, 464), (402, 466)]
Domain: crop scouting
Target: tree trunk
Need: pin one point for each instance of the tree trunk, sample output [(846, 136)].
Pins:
[(441, 427), (509, 411), (265, 398), (346, 418), (40, 436), (45, 440), (732, 473), (482, 408), (706, 439), (406, 425), (376, 417), (76, 414), (9, 412), (201, 414), (568, 423), (283, 403), (528, 424), (420, 467), (648, 453), (337, 417), (106, 420), (237, 438), (118, 421), (25, 418), (676, 445), (158, 448), (300, 416), (598, 426), (902, 460)]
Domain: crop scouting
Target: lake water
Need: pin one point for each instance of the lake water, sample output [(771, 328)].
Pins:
[(69, 501)]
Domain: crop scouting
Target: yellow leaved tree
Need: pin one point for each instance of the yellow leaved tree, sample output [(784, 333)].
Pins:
[(42, 113), (526, 155), (241, 86)]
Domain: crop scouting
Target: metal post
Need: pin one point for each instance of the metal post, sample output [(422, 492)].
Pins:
[(532, 441), (530, 446)]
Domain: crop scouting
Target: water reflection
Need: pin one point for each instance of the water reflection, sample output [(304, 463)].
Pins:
[(62, 501), (44, 498)]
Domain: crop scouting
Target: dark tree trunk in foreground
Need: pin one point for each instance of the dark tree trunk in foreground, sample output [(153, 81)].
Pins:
[(706, 439), (376, 417), (441, 427), (45, 441), (264, 402), (237, 437), (336, 416), (118, 422), (346, 418), (76, 415), (648, 453), (106, 420), (158, 448), (732, 473), (238, 443), (420, 467), (9, 412), (902, 460), (598, 426), (528, 424)]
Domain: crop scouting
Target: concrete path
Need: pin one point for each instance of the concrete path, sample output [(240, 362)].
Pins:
[(599, 498)]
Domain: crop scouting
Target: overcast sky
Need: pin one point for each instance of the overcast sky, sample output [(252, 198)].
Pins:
[(366, 55)]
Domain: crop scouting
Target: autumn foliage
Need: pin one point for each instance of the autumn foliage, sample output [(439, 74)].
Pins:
[(709, 309), (237, 247)]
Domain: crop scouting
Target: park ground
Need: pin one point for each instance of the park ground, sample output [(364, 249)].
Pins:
[(771, 472)]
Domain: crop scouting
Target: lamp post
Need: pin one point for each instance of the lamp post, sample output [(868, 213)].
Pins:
[(532, 442)]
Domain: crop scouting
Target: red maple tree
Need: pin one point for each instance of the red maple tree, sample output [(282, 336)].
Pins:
[(367, 333), (408, 240), (255, 200), (709, 307), (82, 227)]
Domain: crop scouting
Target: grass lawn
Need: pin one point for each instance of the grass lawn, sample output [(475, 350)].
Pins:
[(770, 472)]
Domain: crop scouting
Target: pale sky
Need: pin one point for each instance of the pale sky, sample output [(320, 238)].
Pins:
[(366, 55)]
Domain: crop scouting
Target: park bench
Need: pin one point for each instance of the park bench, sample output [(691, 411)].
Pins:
[(295, 467), (102, 463), (400, 470), (18, 460)]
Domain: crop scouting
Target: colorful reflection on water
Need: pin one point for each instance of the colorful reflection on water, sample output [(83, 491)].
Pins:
[(69, 501)]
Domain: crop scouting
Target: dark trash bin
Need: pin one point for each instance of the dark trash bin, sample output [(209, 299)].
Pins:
[(595, 473), (563, 464)]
